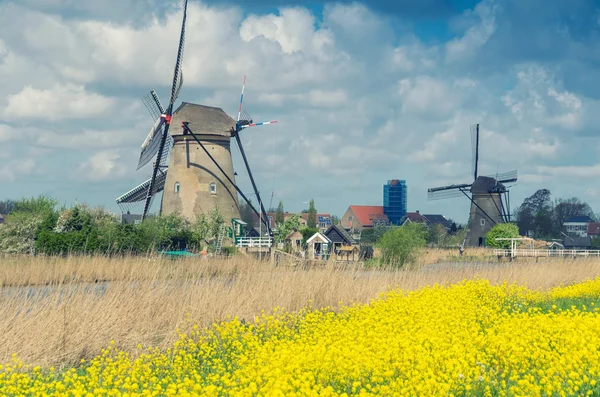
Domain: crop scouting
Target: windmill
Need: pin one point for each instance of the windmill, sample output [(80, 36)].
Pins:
[(158, 142), (489, 197), (214, 142)]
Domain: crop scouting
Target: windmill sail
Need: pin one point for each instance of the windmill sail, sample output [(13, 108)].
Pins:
[(152, 142), (158, 142), (178, 74), (138, 193), (165, 142)]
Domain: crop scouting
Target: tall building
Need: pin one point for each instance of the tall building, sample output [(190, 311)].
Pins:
[(394, 200)]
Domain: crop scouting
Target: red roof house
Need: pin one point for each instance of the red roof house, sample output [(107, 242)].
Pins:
[(593, 229), (358, 217)]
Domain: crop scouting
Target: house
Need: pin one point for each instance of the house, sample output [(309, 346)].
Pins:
[(435, 219), (414, 217), (294, 240), (131, 219), (358, 217), (555, 246), (343, 245), (593, 229), (319, 247), (577, 243), (339, 236), (323, 221), (577, 226)]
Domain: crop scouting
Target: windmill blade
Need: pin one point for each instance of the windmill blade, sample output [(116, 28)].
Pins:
[(153, 104), (475, 150), (257, 124), (177, 74), (444, 194), (504, 176), (241, 100), (165, 138), (138, 193), (151, 143), (450, 191)]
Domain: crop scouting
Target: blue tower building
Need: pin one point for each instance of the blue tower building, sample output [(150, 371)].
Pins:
[(394, 200)]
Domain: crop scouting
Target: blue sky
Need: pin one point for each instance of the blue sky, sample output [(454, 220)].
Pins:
[(364, 92)]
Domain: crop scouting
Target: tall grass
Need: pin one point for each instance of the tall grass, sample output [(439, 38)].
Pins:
[(55, 311)]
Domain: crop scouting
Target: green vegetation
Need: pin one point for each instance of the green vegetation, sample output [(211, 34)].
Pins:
[(312, 215), (38, 225), (501, 230), (400, 245)]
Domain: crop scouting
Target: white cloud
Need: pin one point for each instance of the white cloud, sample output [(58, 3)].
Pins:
[(425, 94), (476, 36), (105, 165), (57, 103), (587, 171), (357, 102), (292, 30), (13, 170), (8, 133)]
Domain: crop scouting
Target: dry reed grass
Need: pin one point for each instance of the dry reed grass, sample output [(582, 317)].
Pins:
[(139, 301)]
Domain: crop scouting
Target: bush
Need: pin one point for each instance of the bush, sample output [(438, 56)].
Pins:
[(400, 245), (501, 230)]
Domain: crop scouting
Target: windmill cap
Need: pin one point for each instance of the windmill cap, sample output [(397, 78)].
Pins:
[(201, 119), (486, 185)]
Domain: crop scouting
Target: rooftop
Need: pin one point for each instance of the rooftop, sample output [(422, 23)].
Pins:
[(580, 219), (202, 120), (367, 213)]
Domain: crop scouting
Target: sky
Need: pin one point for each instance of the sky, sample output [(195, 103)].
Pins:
[(363, 93)]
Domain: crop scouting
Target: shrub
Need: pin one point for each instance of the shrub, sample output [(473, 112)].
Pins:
[(400, 245), (501, 230)]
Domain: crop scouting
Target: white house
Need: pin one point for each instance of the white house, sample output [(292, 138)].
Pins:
[(577, 226)]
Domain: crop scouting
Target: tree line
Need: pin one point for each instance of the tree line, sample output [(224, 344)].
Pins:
[(40, 225), (541, 216)]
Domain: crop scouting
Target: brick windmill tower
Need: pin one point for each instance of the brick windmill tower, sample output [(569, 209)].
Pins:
[(194, 183)]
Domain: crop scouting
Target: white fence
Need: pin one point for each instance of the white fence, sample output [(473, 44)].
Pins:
[(264, 242), (534, 253)]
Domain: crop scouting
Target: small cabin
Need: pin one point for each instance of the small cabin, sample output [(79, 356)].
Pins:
[(318, 247), (294, 241)]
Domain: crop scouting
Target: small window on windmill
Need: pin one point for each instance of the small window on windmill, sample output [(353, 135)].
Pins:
[(482, 222), (213, 188), (177, 187)]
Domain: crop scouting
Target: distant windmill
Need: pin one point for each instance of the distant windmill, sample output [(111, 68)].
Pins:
[(158, 142), (489, 197)]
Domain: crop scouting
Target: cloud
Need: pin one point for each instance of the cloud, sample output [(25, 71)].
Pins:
[(13, 170), (57, 103), (590, 171), (361, 97), (104, 165), (477, 35)]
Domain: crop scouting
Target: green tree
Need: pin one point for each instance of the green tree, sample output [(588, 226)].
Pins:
[(307, 233), (22, 227), (437, 234), (311, 222), (291, 223), (401, 245), (248, 215), (373, 234), (279, 215), (501, 230)]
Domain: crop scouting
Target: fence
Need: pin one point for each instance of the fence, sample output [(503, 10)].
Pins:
[(258, 242), (535, 253)]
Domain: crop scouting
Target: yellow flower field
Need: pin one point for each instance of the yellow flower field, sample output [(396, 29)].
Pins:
[(461, 340)]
